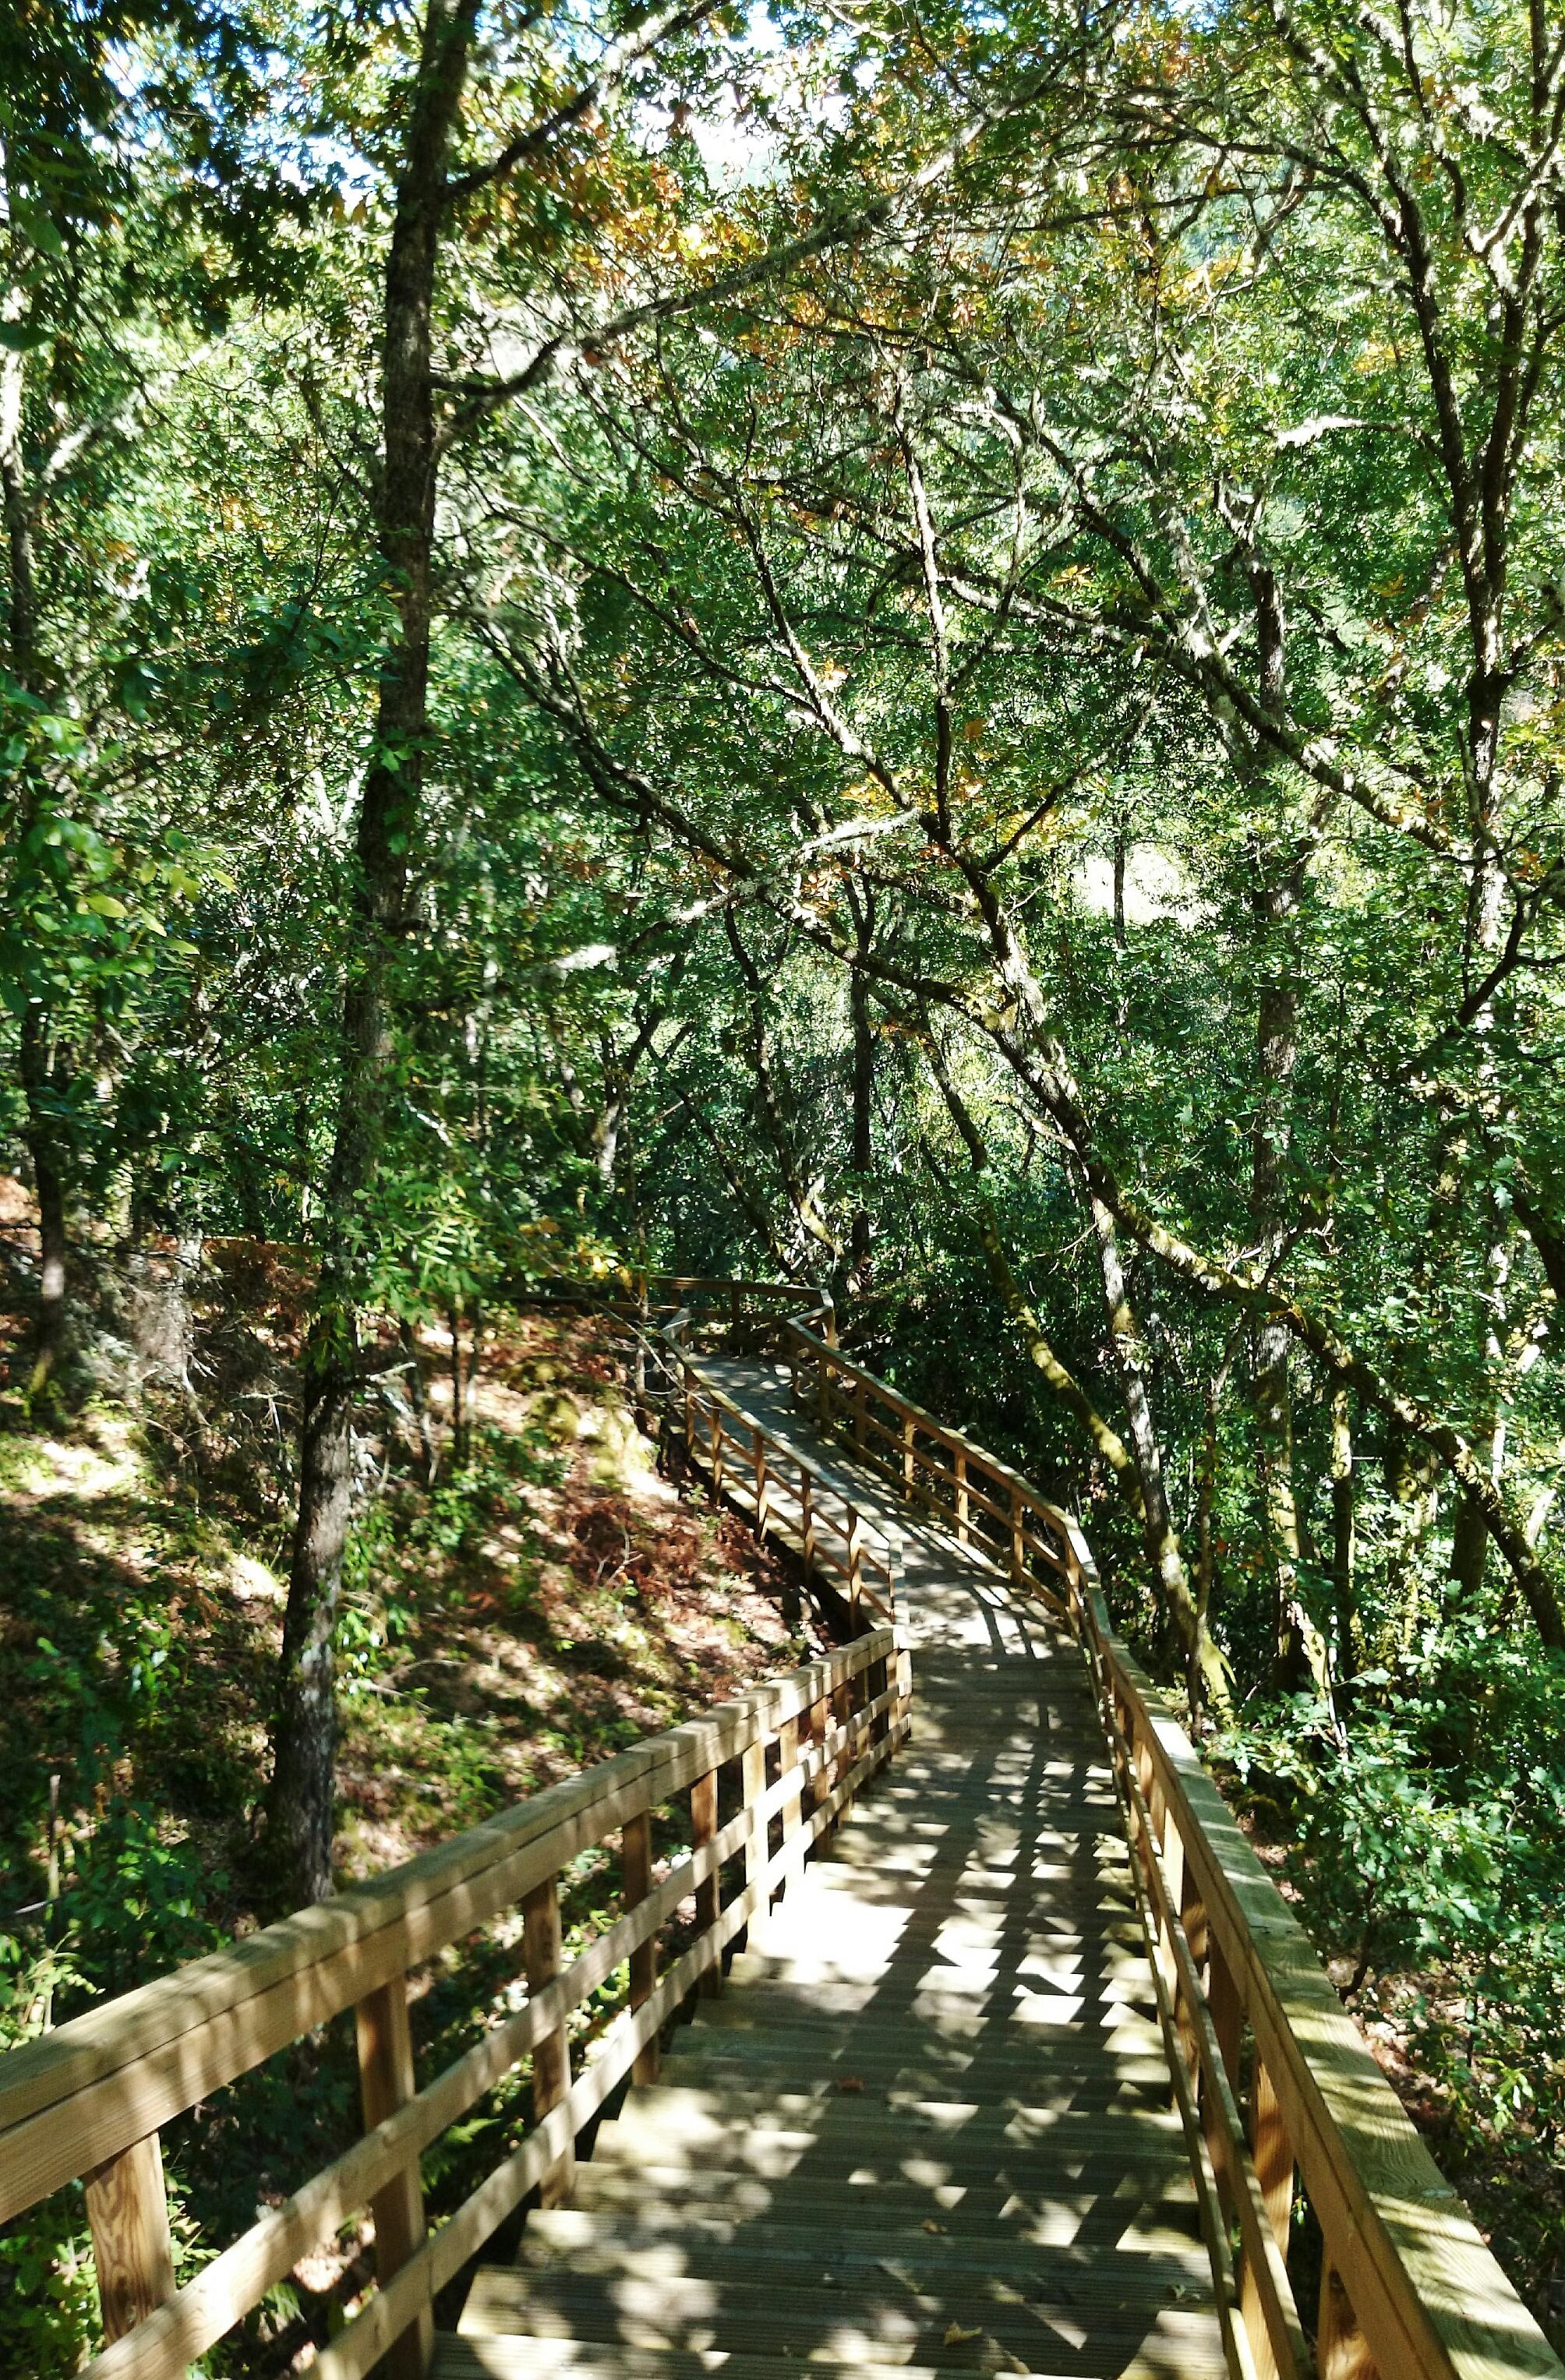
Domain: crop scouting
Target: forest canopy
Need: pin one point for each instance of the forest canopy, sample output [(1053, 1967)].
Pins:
[(892, 644)]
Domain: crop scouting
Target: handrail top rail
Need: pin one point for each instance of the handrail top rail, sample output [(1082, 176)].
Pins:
[(175, 2008)]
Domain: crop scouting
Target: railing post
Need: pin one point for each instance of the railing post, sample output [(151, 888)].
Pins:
[(708, 1892), (635, 1883), (1193, 1922), (820, 1726), (855, 1559), (1273, 2160), (752, 1785), (907, 1457), (1018, 1551), (807, 1516), (552, 2056), (759, 1454), (127, 2214), (792, 1809), (904, 1678), (1273, 2153), (386, 2082), (1341, 2353), (962, 1495), (841, 1716), (715, 1458)]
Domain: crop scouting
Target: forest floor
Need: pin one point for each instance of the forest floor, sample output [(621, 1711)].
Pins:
[(550, 1600)]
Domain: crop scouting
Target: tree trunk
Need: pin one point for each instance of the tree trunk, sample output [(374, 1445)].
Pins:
[(1300, 1648), (862, 1117), (300, 1812), (1344, 1534), (50, 1164), (49, 1184), (1208, 1674)]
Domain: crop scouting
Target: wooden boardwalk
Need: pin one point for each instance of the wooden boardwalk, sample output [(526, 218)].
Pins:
[(929, 2124)]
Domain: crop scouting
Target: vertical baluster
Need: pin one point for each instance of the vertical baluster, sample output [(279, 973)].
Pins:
[(552, 2056), (1273, 2160), (386, 2082), (1342, 2352), (1228, 2016), (819, 1727), (635, 1883), (842, 1718), (127, 2214), (807, 1516), (907, 1457), (904, 1678), (1018, 1549), (1192, 1919), (962, 1495), (752, 1785), (788, 1766), (1273, 2153), (855, 1562), (708, 1892), (758, 1458)]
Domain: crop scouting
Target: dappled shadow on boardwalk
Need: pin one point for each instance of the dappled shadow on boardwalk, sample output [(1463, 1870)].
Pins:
[(929, 2124)]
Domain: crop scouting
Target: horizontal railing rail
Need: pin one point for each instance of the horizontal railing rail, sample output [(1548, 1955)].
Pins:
[(88, 2102)]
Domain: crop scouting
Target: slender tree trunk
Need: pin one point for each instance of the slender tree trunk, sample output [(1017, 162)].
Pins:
[(1274, 903), (50, 1161), (863, 1118), (458, 1386), (421, 1405), (1344, 1534), (49, 1184), (1208, 1670), (301, 1807)]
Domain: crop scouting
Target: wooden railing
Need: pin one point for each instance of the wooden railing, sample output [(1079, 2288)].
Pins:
[(88, 2101), (1290, 2124), (783, 1491), (989, 1507)]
